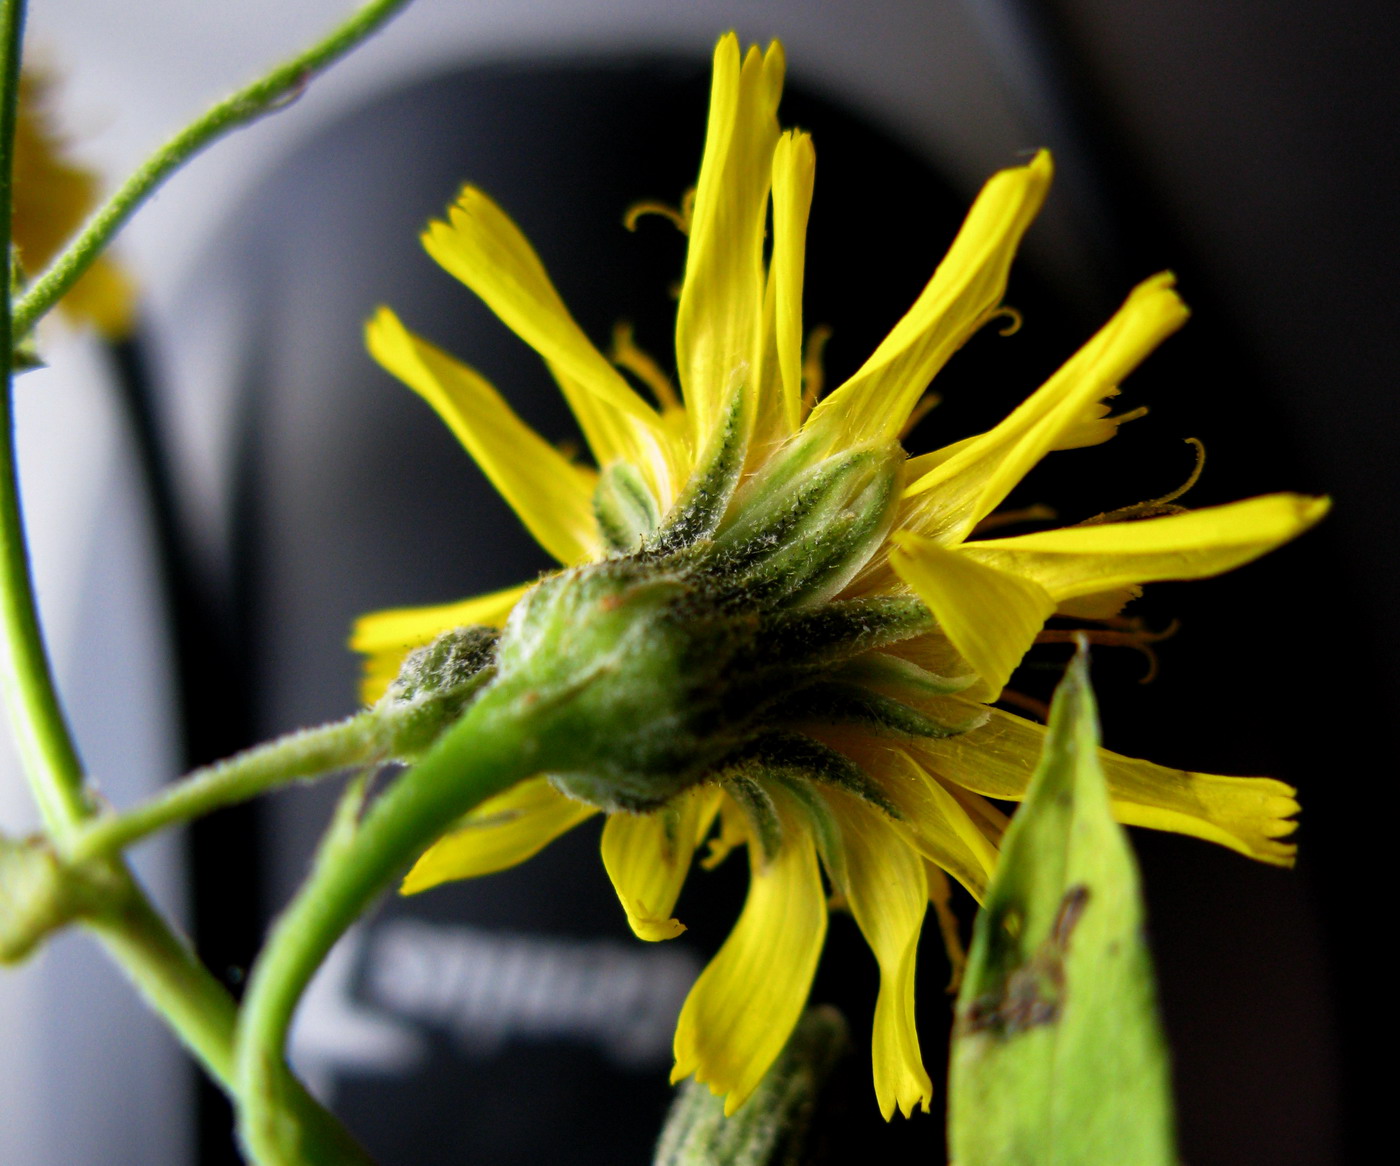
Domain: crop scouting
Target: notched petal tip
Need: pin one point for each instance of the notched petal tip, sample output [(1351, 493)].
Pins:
[(745, 1004), (1311, 509), (775, 69), (1042, 166), (655, 930)]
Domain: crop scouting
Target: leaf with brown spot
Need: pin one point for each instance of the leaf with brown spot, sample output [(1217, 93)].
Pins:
[(1058, 1057)]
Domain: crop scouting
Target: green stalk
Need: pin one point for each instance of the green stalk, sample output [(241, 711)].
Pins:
[(45, 746), (486, 752), (264, 95), (201, 1012), (358, 740), (167, 974), (159, 963)]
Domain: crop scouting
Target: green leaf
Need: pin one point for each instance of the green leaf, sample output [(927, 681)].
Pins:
[(1058, 1058)]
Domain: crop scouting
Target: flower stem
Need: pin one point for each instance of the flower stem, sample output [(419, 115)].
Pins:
[(309, 753), (172, 980), (201, 1012), (487, 751), (45, 745), (159, 963), (264, 95)]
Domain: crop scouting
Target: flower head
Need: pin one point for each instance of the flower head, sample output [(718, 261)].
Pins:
[(772, 627), (52, 195)]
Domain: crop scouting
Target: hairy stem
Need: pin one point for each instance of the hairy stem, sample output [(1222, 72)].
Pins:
[(160, 964), (267, 93), (309, 753), (483, 754), (45, 744), (201, 1012)]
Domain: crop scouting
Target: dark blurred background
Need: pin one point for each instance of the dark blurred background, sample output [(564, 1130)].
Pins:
[(1250, 147)]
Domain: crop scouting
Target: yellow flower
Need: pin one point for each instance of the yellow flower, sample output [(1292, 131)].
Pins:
[(876, 763), (52, 196)]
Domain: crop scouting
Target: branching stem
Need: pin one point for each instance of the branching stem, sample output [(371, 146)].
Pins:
[(309, 753), (159, 962), (486, 752), (202, 1014), (45, 744), (263, 96)]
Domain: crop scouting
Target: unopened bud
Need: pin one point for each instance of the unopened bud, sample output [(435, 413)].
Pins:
[(434, 686), (665, 665)]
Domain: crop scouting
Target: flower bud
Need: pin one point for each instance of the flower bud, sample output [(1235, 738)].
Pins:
[(621, 668), (646, 673), (804, 540), (434, 687)]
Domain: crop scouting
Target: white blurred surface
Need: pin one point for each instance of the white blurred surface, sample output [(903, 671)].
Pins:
[(86, 1075)]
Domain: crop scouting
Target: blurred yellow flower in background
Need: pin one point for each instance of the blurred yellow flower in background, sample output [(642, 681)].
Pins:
[(52, 197), (878, 763)]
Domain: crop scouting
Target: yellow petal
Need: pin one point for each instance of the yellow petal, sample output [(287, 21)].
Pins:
[(888, 894), (657, 449), (647, 856), (717, 322), (990, 616), (483, 248), (916, 467), (940, 827), (1247, 814), (1087, 560), (956, 494), (743, 1007), (794, 171), (386, 637), (550, 495), (733, 831), (1099, 605), (500, 833), (966, 288)]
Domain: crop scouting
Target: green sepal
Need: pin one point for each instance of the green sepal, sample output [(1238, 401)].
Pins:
[(1058, 1055), (826, 829), (702, 504), (794, 757), (808, 501), (803, 542), (901, 677), (434, 686), (771, 1127), (834, 702), (624, 508), (758, 807), (830, 632), (787, 648)]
